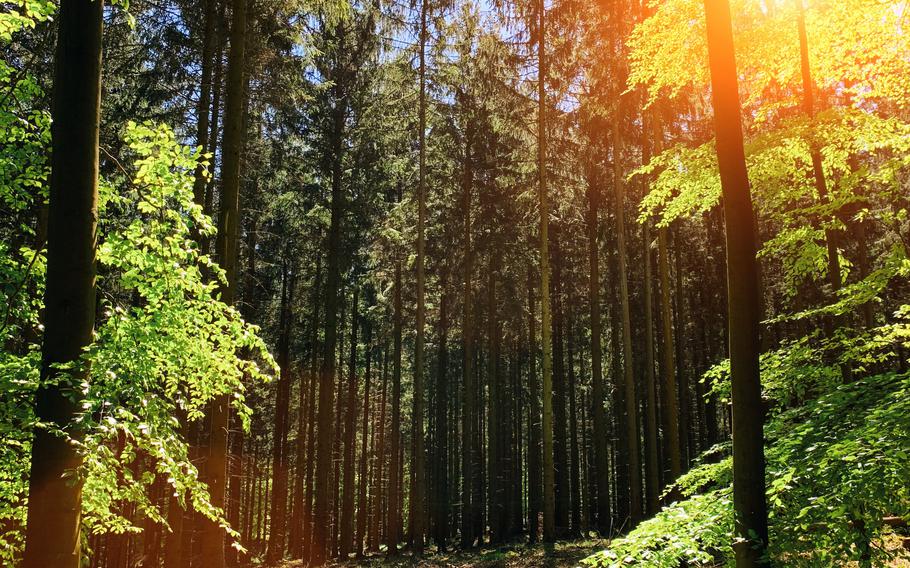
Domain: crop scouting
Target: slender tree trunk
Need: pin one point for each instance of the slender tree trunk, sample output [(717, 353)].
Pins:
[(441, 465), (601, 471), (277, 532), (575, 460), (744, 309), (418, 493), (346, 534), (467, 435), (380, 455), (394, 514), (322, 508), (535, 477), (821, 186), (363, 482), (560, 435), (652, 460), (53, 536), (226, 253), (304, 471), (629, 390), (549, 475), (670, 414)]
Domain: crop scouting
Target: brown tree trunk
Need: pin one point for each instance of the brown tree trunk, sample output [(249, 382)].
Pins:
[(53, 535), (549, 475), (467, 436), (743, 297), (277, 532), (601, 472), (346, 533), (322, 508), (418, 490), (670, 415), (362, 511), (226, 253), (394, 512), (535, 477)]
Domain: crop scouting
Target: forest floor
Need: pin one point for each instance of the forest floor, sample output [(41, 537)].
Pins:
[(511, 555)]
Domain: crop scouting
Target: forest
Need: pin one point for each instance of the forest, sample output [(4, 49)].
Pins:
[(497, 283)]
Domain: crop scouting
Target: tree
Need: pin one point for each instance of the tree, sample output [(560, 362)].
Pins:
[(418, 493), (226, 252), (549, 479), (744, 305), (53, 535)]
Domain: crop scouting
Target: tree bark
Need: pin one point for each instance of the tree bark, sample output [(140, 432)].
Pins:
[(744, 296), (322, 507), (277, 532), (549, 477), (53, 536), (418, 492)]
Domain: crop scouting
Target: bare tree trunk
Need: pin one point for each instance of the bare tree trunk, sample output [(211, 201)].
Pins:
[(346, 534), (549, 477), (277, 532), (55, 503), (226, 253), (394, 513), (535, 477), (744, 304), (418, 490)]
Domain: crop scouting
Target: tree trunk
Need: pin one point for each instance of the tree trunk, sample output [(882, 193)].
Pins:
[(322, 508), (652, 460), (743, 297), (362, 511), (535, 477), (53, 536), (277, 532), (441, 463), (467, 452), (670, 414), (346, 534), (549, 477), (418, 492), (601, 472), (629, 394), (394, 513)]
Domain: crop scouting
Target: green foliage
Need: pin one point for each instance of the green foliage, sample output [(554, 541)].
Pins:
[(837, 465), (696, 531), (164, 349)]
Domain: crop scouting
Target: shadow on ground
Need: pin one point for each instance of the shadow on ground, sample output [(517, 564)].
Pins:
[(517, 555)]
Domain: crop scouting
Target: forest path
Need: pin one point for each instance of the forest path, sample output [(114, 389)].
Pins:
[(515, 555)]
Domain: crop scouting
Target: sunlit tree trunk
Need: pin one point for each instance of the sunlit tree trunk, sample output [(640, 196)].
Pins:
[(226, 253), (53, 532), (744, 310)]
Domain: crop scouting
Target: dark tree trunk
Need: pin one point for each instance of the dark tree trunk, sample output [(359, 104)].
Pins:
[(226, 253), (277, 532), (394, 507), (441, 463), (549, 475), (346, 534), (322, 508), (535, 476), (743, 296), (55, 503)]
